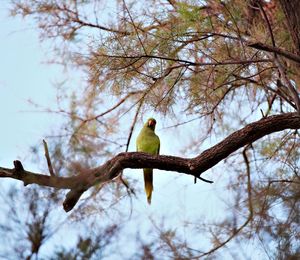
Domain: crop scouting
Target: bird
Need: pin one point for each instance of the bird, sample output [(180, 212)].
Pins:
[(148, 142)]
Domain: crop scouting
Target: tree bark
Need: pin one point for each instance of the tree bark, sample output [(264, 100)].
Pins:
[(291, 9)]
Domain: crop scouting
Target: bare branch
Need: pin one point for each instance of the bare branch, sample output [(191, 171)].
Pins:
[(265, 17), (133, 123), (187, 62), (96, 117), (293, 91), (281, 69), (51, 171), (135, 29), (250, 206), (249, 186), (221, 244)]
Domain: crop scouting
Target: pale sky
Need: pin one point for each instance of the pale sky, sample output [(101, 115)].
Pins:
[(23, 77)]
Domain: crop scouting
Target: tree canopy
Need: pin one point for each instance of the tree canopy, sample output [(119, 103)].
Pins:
[(228, 70)]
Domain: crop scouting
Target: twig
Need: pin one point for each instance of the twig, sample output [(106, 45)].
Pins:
[(51, 171), (236, 26), (250, 215), (224, 242), (249, 187), (128, 188), (136, 31), (96, 117), (133, 124), (268, 25), (293, 91), (190, 63), (179, 76)]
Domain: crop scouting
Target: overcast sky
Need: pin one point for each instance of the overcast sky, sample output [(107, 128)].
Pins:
[(23, 76)]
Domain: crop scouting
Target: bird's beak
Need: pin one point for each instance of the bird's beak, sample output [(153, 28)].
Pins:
[(151, 123)]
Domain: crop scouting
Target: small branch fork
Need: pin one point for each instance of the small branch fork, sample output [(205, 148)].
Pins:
[(106, 172)]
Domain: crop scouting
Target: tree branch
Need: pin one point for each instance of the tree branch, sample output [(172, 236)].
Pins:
[(264, 47), (240, 138), (192, 166), (50, 168), (187, 62)]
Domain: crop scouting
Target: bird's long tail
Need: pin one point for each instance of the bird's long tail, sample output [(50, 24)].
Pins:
[(148, 179)]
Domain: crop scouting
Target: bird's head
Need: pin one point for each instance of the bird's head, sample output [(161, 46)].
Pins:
[(151, 122)]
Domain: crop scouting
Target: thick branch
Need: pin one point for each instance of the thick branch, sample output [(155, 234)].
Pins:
[(193, 166), (246, 135), (40, 179), (280, 51)]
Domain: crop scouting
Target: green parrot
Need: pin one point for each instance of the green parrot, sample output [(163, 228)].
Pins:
[(148, 142)]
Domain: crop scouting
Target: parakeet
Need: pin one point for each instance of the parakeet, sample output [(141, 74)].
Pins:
[(148, 142)]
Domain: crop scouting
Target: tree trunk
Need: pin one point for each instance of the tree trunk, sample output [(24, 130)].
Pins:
[(291, 9)]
